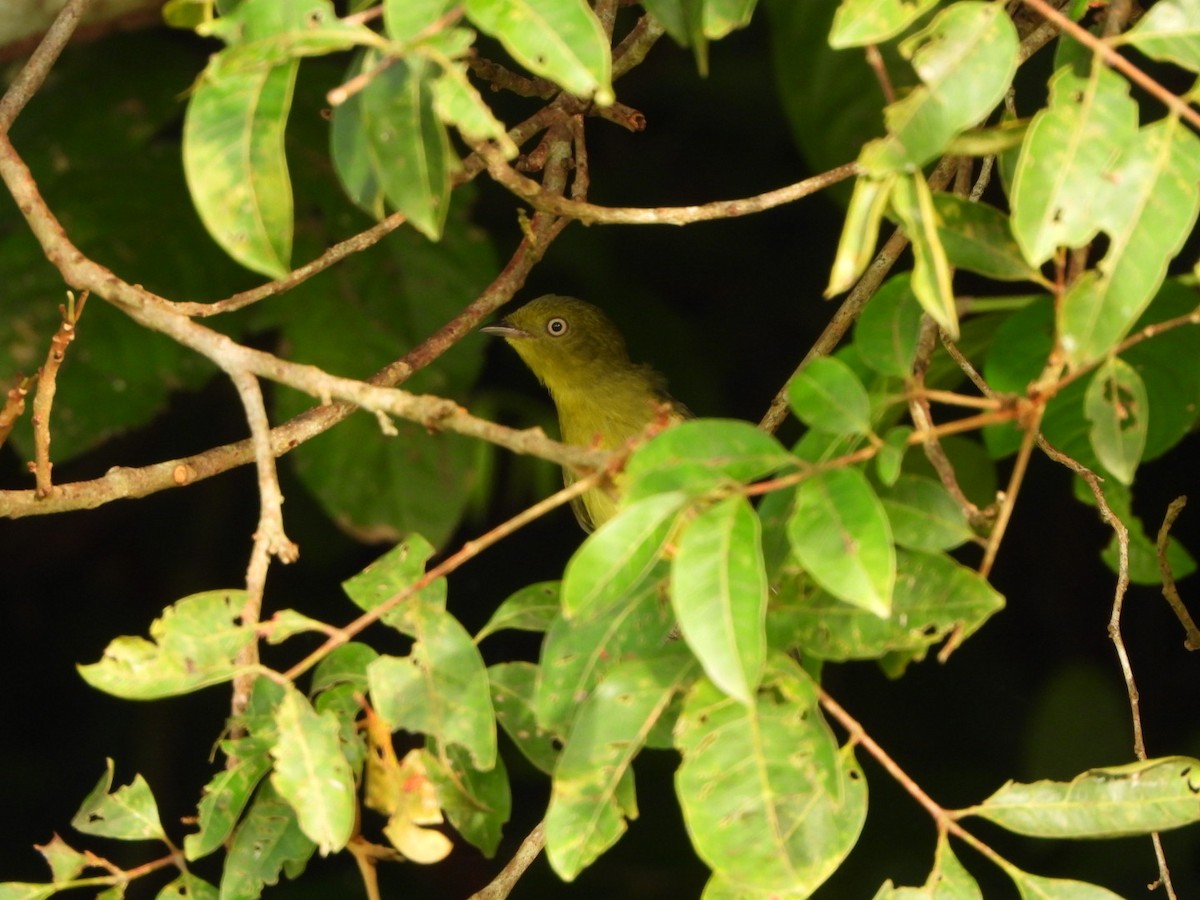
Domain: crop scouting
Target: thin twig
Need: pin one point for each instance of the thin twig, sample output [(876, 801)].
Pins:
[(1008, 502), (591, 214), (502, 885), (875, 61), (922, 417), (468, 551), (43, 400), (944, 819), (1169, 590), (1142, 334), (34, 72)]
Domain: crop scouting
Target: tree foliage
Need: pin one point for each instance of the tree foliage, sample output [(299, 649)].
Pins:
[(1046, 185)]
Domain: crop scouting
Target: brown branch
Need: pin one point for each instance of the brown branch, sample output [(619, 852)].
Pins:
[(635, 45), (43, 400), (159, 315), (502, 885), (269, 538), (1169, 590), (270, 535)]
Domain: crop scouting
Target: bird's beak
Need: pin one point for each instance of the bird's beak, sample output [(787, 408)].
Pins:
[(504, 330)]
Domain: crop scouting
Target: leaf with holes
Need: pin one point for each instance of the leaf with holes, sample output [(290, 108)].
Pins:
[(1118, 409)]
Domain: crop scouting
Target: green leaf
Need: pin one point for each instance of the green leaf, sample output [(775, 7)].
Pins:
[(268, 841), (719, 594), (978, 237), (344, 702), (129, 813), (558, 39), (312, 774), (397, 570), (947, 881), (683, 20), (355, 156), (693, 23), (476, 801), (769, 800), (346, 664), (532, 608), (1037, 887), (271, 33), (1136, 798), (407, 142), (64, 860), (235, 164), (616, 558), (1059, 187), (912, 202), (840, 533), (965, 59), (828, 396), (1170, 369), (188, 887), (196, 644), (457, 101), (577, 652), (406, 19), (585, 814), (699, 455), (287, 623), (233, 133), (861, 22), (1117, 406), (891, 453), (889, 327), (924, 516), (817, 83), (224, 799), (1148, 206), (1169, 31), (440, 689), (513, 686), (724, 16), (934, 595), (860, 232), (18, 890)]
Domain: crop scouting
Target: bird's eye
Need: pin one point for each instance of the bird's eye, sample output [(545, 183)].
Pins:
[(557, 327)]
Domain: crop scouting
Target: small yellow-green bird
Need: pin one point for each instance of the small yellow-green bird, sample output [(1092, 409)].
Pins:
[(603, 398)]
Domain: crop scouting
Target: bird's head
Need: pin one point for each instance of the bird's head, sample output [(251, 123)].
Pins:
[(567, 343)]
